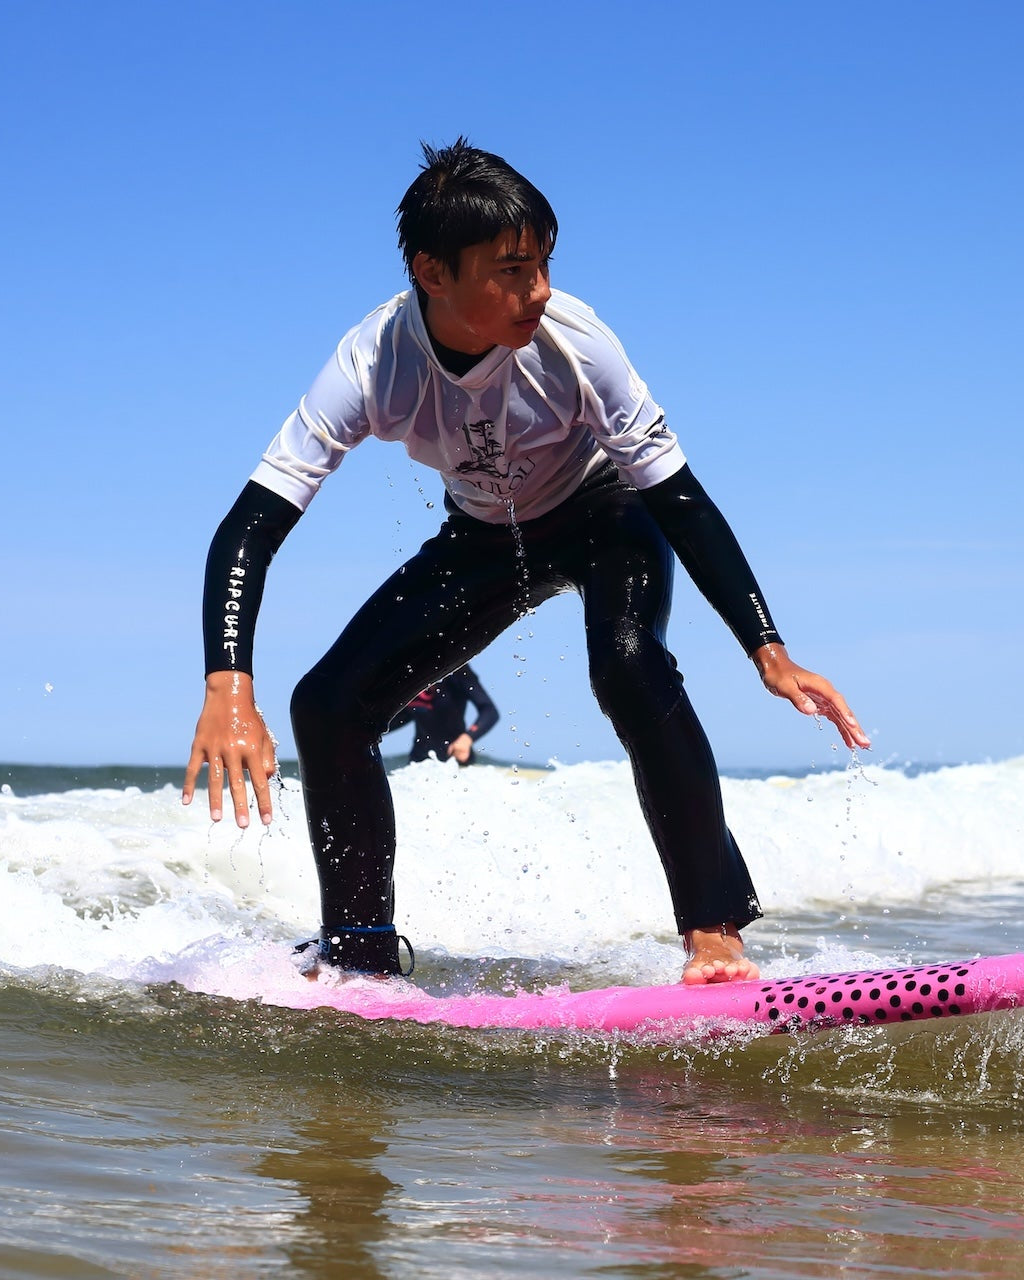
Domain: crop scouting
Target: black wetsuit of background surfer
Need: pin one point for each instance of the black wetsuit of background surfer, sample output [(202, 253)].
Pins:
[(439, 714)]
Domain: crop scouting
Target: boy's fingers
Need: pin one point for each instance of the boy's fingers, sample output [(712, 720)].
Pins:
[(261, 789), (188, 788), (846, 722), (216, 785), (235, 771), (239, 795), (812, 694)]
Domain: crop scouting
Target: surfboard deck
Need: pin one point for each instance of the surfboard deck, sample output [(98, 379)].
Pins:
[(804, 1003)]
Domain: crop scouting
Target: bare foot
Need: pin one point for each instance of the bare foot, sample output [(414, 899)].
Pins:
[(716, 955)]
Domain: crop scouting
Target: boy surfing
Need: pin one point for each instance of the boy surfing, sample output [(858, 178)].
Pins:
[(561, 474)]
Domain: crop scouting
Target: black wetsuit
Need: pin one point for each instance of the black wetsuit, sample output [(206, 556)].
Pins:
[(439, 714), (609, 543)]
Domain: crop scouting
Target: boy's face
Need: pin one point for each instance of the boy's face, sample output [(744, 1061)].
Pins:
[(497, 299)]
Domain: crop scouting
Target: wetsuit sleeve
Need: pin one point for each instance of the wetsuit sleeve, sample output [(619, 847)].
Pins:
[(487, 715), (710, 554), (236, 572)]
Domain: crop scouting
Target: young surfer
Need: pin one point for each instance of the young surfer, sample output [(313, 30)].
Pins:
[(560, 475), (439, 714)]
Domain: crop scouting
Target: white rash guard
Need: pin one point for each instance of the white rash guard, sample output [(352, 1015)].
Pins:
[(516, 435)]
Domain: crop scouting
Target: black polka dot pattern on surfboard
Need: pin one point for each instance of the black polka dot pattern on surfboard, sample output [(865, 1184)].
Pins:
[(861, 999)]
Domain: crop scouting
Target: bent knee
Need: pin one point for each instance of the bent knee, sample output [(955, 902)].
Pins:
[(317, 701), (634, 677), (332, 702)]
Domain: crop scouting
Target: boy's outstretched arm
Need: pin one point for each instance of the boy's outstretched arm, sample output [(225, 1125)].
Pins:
[(705, 544), (231, 738), (810, 693)]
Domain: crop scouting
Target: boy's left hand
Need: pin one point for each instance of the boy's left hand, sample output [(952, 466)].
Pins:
[(809, 693)]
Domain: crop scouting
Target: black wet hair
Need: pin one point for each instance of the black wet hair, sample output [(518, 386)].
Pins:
[(465, 196)]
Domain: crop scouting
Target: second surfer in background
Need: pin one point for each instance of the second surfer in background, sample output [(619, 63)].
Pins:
[(561, 474), (439, 715)]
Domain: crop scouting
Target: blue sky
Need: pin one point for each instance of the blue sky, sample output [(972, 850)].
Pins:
[(803, 220)]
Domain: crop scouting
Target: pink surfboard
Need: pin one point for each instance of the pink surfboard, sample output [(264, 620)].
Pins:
[(875, 997)]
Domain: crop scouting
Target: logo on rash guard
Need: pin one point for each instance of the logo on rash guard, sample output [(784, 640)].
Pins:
[(489, 469), (232, 609)]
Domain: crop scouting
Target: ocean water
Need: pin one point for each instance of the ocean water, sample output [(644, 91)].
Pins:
[(151, 1126)]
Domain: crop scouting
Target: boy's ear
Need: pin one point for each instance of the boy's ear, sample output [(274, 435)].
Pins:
[(430, 274)]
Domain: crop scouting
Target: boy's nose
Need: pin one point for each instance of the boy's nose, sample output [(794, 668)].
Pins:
[(540, 293)]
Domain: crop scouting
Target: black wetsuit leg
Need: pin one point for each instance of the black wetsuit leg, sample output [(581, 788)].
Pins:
[(615, 555), (454, 597)]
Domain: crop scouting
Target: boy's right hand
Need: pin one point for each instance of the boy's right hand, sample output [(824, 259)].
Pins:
[(232, 740)]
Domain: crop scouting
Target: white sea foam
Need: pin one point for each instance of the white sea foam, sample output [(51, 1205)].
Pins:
[(127, 883)]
